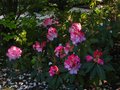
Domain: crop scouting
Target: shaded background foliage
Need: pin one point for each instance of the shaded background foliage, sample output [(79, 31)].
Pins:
[(100, 22)]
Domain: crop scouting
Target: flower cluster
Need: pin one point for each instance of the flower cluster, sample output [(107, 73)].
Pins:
[(72, 64), (49, 22), (96, 57), (68, 48), (76, 35), (14, 53), (52, 33), (39, 47), (53, 70), (61, 51), (97, 54)]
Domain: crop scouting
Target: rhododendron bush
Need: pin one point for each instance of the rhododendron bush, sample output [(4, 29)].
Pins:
[(67, 49)]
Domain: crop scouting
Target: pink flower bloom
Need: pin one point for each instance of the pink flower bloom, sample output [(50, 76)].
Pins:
[(72, 64), (97, 54), (52, 33), (59, 51), (100, 61), (89, 58), (68, 48), (39, 47), (76, 35), (96, 57), (47, 22), (75, 26), (53, 70), (14, 53)]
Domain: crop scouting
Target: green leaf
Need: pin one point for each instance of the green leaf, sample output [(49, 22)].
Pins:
[(108, 67), (93, 73), (85, 65), (58, 82), (33, 60), (97, 10), (90, 67), (8, 23), (52, 81), (100, 72)]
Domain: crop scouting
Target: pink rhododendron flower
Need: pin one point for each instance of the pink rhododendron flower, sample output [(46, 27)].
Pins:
[(59, 51), (52, 33), (96, 57), (75, 26), (97, 54), (68, 48), (100, 61), (14, 53), (53, 70), (39, 47), (89, 58), (72, 64), (47, 22), (76, 35)]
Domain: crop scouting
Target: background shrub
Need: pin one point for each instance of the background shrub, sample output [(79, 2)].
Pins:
[(21, 25)]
